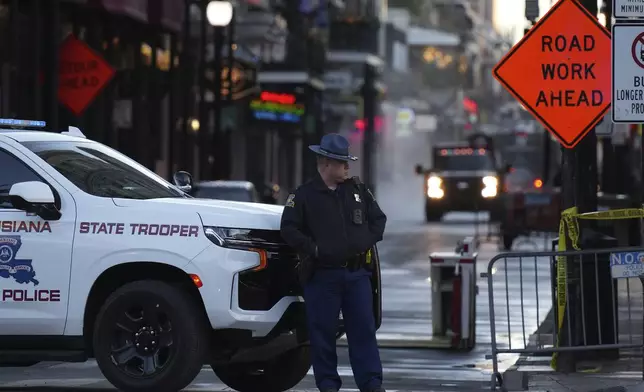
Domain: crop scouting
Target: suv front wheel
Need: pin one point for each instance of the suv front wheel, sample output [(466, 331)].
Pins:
[(148, 337), (279, 374)]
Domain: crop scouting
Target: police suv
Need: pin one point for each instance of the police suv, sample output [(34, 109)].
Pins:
[(463, 177), (101, 258)]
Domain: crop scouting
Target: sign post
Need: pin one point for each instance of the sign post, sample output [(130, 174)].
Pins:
[(560, 72)]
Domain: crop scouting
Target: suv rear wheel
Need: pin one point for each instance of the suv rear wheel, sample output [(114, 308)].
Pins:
[(280, 374), (148, 337)]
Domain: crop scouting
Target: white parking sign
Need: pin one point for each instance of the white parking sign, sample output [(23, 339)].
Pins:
[(628, 73)]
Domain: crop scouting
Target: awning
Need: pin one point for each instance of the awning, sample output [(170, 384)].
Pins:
[(135, 9), (167, 13)]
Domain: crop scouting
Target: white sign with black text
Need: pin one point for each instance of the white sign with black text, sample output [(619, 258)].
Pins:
[(628, 73), (628, 8)]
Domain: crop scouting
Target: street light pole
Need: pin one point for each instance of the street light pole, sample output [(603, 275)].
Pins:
[(218, 44), (219, 14)]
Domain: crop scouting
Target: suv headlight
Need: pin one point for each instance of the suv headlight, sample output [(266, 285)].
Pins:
[(236, 238), (243, 239)]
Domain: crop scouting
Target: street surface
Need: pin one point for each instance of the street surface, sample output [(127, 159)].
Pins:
[(407, 305)]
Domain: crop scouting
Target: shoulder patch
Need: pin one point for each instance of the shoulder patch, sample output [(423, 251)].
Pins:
[(290, 201)]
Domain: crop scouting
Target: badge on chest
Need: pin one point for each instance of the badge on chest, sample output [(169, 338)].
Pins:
[(357, 197), (358, 219)]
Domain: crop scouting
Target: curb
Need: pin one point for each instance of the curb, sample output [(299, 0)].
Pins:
[(392, 343)]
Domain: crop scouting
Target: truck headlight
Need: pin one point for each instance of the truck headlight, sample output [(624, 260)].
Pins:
[(490, 187), (435, 187)]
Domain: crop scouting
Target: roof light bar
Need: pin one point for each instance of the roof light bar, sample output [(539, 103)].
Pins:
[(12, 122)]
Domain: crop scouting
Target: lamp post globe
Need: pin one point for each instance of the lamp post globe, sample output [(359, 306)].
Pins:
[(219, 13)]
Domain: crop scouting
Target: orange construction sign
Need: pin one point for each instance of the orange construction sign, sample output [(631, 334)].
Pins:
[(83, 73), (561, 71)]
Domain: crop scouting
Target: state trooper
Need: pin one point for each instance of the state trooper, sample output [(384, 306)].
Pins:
[(333, 221)]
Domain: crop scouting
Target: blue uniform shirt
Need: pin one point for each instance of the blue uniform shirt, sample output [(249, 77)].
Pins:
[(332, 225)]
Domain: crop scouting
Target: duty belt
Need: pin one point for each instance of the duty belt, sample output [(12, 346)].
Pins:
[(354, 263)]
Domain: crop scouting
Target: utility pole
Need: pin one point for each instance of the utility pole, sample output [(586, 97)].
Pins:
[(610, 183), (583, 158)]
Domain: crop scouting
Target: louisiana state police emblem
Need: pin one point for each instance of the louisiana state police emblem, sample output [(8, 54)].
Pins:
[(12, 268)]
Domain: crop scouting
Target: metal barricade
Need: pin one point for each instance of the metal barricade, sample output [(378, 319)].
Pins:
[(530, 290)]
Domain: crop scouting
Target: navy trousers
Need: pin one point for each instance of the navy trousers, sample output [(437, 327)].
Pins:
[(329, 291)]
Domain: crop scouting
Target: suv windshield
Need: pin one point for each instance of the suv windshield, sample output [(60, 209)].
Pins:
[(223, 193), (462, 159), (102, 171)]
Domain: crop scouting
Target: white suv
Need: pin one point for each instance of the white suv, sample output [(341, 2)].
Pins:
[(101, 258)]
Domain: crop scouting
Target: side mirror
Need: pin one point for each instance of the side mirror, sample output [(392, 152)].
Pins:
[(35, 197), (419, 169), (183, 181)]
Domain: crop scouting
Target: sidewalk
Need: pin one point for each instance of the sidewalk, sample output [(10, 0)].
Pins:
[(624, 374)]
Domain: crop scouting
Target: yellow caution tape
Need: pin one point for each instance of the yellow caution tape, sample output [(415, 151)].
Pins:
[(569, 230), (567, 218)]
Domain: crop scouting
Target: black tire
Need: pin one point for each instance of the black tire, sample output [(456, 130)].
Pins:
[(182, 329), (278, 375), (508, 239), (432, 215)]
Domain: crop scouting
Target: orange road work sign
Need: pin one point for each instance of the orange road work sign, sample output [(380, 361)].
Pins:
[(83, 73), (561, 71)]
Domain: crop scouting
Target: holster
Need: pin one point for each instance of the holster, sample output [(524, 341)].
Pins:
[(305, 269)]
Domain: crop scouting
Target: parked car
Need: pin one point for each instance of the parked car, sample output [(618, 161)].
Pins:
[(226, 190)]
